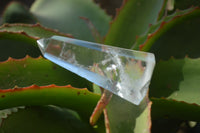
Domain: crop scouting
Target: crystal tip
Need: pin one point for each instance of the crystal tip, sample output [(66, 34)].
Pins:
[(41, 45)]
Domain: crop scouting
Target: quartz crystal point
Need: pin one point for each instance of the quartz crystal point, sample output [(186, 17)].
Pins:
[(124, 72)]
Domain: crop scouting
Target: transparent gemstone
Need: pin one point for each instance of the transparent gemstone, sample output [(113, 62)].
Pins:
[(124, 72)]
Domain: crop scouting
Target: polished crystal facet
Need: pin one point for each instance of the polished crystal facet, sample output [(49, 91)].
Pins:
[(124, 72)]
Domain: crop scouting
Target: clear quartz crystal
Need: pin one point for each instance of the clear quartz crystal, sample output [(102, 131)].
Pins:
[(124, 72)]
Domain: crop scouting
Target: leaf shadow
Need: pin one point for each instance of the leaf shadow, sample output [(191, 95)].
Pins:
[(166, 78)]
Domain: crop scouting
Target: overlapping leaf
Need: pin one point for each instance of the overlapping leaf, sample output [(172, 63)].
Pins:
[(28, 71), (175, 35), (173, 109), (43, 119), (179, 81), (81, 100), (64, 15), (132, 20), (35, 31), (185, 4), (19, 40), (16, 12), (176, 80)]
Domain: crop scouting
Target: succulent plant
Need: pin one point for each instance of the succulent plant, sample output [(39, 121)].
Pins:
[(38, 96)]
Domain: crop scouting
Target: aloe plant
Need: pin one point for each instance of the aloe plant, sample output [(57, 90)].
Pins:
[(39, 96)]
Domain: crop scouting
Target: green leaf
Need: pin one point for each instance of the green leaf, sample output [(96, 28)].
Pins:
[(131, 115), (162, 12), (44, 119), (175, 35), (16, 12), (143, 121), (185, 4), (125, 117), (176, 80), (17, 45), (28, 71), (18, 40), (64, 15), (81, 100), (132, 20), (35, 31), (172, 109)]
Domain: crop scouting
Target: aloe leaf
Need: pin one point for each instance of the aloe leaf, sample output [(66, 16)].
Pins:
[(132, 20), (81, 100), (131, 115), (35, 31), (18, 40), (18, 47), (176, 35), (173, 109), (185, 4), (64, 15), (16, 12), (36, 71), (42, 119), (126, 117), (143, 122), (177, 80)]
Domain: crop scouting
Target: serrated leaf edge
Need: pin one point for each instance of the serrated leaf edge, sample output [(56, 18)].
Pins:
[(24, 96), (10, 59), (32, 26), (15, 89), (173, 100), (159, 30)]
